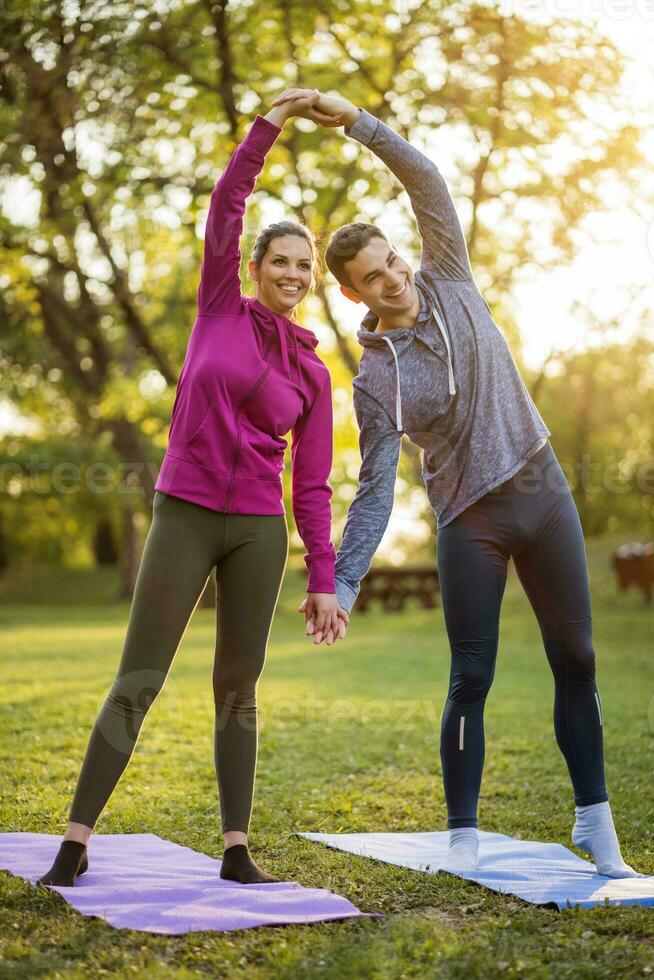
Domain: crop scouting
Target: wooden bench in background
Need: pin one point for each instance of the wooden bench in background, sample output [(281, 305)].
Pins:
[(634, 565), (393, 586)]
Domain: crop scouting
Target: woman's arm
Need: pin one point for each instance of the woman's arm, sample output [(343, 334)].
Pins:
[(311, 455), (220, 283), (311, 458)]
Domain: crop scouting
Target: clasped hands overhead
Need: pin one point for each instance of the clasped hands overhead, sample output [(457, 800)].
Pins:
[(326, 110)]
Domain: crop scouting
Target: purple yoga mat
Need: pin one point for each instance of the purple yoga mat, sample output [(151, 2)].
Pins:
[(142, 882)]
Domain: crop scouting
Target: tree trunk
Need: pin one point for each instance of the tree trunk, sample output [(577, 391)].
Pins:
[(128, 443), (4, 555), (105, 550)]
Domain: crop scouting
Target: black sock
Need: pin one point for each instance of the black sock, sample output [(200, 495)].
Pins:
[(72, 860), (238, 866)]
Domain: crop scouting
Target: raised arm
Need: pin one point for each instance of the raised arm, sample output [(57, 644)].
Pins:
[(220, 283), (444, 251), (369, 512)]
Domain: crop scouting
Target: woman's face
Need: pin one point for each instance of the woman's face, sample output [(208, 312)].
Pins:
[(285, 275)]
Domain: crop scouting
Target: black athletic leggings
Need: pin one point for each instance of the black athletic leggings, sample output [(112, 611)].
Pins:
[(532, 518), (184, 543)]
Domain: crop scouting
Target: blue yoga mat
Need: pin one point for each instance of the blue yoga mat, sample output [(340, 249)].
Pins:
[(543, 874)]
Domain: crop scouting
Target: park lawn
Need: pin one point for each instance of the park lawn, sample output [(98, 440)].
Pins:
[(348, 743)]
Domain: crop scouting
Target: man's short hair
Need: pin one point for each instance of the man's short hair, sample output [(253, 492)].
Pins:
[(345, 244)]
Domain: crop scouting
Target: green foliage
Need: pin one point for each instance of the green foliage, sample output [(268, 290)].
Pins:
[(53, 495), (600, 407), (116, 117)]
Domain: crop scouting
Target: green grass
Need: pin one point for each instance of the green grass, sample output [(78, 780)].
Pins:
[(348, 743)]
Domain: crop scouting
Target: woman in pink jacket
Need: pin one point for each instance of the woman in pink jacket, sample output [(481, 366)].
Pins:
[(250, 376)]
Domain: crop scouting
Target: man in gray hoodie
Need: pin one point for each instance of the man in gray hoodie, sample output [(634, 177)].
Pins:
[(436, 367)]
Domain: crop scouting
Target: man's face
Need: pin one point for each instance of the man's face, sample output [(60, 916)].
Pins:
[(380, 279)]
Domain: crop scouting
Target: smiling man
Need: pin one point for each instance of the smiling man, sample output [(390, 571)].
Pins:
[(436, 367)]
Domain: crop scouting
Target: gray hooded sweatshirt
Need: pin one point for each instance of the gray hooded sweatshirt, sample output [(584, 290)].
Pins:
[(449, 382)]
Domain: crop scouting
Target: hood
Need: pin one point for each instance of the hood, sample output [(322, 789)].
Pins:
[(368, 336), (396, 340), (288, 334), (267, 318)]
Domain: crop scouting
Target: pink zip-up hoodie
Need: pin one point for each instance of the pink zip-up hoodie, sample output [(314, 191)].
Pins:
[(249, 377)]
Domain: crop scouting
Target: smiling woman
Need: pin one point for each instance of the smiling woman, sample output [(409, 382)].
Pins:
[(284, 264), (250, 376)]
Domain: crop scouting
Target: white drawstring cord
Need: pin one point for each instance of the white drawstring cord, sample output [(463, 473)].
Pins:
[(398, 396), (444, 334), (450, 368)]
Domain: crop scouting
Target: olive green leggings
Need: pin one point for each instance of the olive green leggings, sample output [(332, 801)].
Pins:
[(184, 543)]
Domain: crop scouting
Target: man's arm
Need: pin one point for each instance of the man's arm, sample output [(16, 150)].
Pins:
[(444, 251), (371, 508)]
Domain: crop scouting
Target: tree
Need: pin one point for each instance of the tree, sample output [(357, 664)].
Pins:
[(116, 118)]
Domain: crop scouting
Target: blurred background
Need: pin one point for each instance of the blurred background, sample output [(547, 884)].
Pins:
[(116, 119)]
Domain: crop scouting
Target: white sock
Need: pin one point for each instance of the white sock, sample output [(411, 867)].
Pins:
[(463, 854), (594, 832)]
